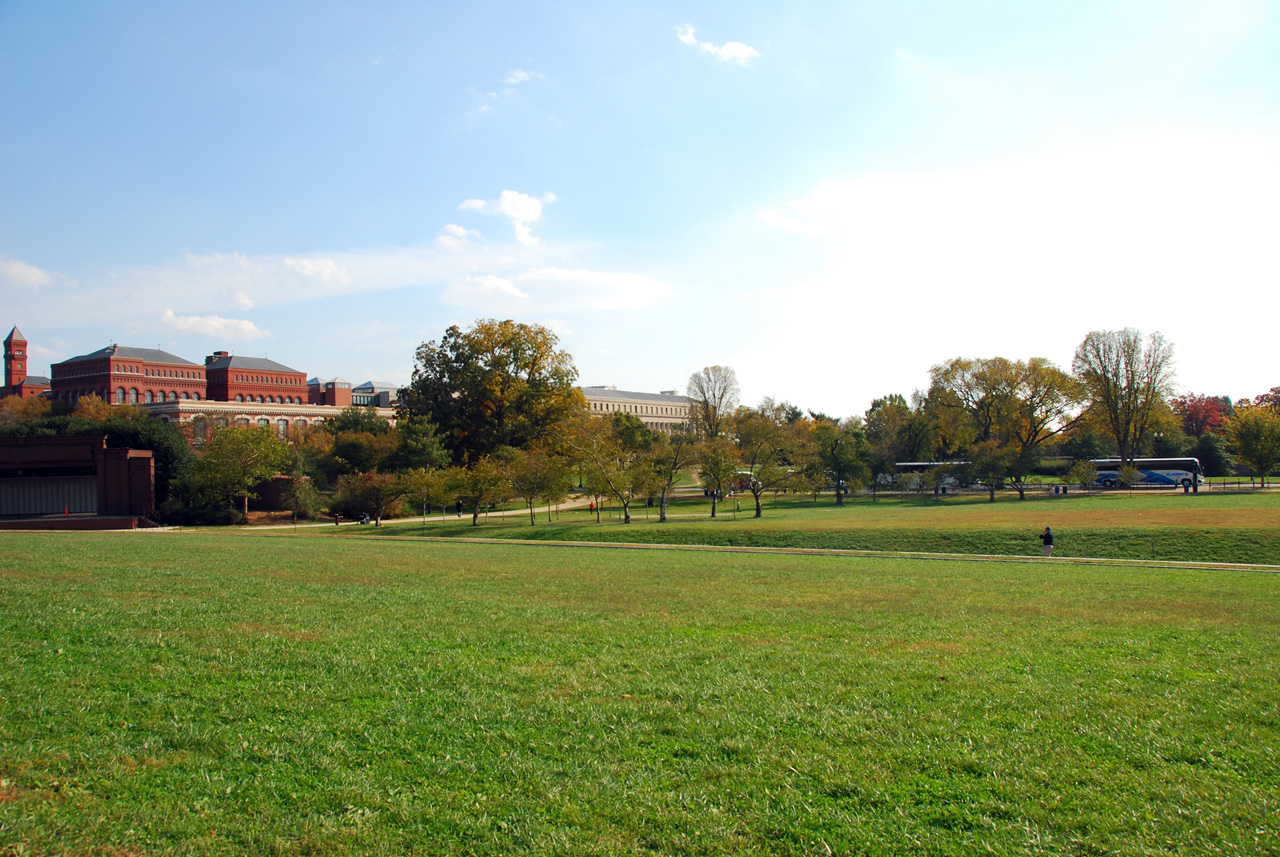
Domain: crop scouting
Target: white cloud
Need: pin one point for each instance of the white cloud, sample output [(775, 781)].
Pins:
[(734, 52), (214, 326), (20, 273), (325, 270), (470, 290), (521, 208), (455, 237), (519, 75)]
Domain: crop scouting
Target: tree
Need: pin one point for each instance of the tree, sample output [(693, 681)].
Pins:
[(370, 493), (235, 461), (537, 472), (990, 464), (356, 419), (769, 447), (1083, 473), (713, 397), (481, 485), (498, 384), (671, 455), (1125, 380), (1201, 414), (898, 431), (15, 409), (418, 446), (840, 451), (1017, 406), (616, 453), (1211, 451), (1254, 431), (718, 466)]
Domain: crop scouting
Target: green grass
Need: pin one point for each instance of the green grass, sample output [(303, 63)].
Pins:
[(222, 694), (1217, 527)]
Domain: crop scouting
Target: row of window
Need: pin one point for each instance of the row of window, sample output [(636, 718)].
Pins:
[(273, 400), (639, 409), (263, 379)]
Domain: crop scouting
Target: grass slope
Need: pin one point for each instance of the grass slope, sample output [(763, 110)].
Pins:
[(1205, 527), (198, 694)]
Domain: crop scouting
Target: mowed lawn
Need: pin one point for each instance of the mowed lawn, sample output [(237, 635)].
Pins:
[(203, 693), (1207, 527)]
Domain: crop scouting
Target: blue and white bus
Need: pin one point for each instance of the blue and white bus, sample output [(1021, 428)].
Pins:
[(1168, 472)]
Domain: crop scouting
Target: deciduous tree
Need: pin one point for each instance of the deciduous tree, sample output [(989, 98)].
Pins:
[(1254, 431), (713, 397), (1126, 378), (769, 446), (497, 384), (235, 461), (840, 451)]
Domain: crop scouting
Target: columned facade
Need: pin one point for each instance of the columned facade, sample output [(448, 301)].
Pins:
[(663, 411)]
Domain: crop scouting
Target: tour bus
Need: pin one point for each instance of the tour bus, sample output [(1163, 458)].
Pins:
[(1170, 472)]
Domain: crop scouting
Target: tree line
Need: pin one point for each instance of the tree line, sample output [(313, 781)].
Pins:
[(492, 414)]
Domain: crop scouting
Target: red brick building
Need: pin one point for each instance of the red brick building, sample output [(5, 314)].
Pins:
[(16, 380), (123, 375), (253, 379)]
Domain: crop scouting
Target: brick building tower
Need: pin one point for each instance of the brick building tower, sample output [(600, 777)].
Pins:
[(16, 380)]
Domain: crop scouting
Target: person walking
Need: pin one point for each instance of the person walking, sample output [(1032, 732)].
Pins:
[(1046, 538)]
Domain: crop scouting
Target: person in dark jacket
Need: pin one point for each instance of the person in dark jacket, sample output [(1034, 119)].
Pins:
[(1046, 538)]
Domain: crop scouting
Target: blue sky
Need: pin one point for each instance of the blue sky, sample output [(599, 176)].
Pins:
[(829, 197)]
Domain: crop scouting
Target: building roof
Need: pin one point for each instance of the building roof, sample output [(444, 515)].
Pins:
[(14, 334), (252, 364), (630, 396), (149, 355), (37, 381), (375, 387)]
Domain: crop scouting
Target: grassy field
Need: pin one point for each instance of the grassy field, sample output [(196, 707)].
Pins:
[(199, 693), (1210, 527)]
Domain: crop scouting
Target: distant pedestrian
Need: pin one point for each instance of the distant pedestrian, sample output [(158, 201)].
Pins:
[(1046, 538), (591, 507), (459, 507)]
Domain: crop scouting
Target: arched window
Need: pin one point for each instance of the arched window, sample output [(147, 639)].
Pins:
[(173, 395), (239, 397), (133, 396), (151, 396), (259, 399), (263, 422), (186, 395), (282, 427), (195, 396), (120, 396)]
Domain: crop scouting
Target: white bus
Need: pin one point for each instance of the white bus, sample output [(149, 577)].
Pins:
[(1169, 472)]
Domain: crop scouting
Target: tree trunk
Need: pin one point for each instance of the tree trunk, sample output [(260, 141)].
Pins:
[(475, 516), (713, 504), (662, 507), (839, 495), (991, 493), (756, 494), (533, 521), (626, 511), (245, 505)]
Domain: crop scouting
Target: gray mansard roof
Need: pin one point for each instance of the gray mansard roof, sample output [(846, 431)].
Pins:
[(249, 364), (124, 352), (629, 396)]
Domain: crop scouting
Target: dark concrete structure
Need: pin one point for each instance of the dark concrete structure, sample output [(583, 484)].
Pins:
[(61, 476)]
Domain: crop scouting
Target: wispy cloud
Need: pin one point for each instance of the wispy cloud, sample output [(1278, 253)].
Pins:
[(521, 208), (214, 326), (20, 273), (519, 75), (732, 52), (323, 269)]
